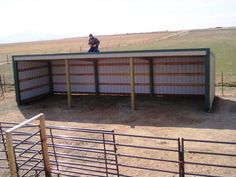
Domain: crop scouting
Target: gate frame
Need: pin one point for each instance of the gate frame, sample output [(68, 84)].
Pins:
[(11, 156)]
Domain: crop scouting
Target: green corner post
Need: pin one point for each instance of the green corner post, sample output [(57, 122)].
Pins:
[(16, 81), (207, 81)]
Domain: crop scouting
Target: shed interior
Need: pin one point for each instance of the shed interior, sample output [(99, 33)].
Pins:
[(165, 72)]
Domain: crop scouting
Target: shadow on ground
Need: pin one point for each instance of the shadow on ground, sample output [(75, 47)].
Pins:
[(151, 111)]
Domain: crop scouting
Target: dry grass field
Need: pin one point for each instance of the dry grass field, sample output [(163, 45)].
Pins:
[(222, 42), (80, 44)]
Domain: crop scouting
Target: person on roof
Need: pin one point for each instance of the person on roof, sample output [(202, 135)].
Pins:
[(94, 43)]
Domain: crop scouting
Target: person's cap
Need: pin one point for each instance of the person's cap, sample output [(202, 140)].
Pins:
[(90, 35)]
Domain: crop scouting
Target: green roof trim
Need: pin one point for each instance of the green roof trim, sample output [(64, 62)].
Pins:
[(116, 52)]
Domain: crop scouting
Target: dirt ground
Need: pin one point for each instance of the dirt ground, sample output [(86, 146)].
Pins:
[(171, 117)]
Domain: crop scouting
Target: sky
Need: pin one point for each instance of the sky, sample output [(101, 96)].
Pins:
[(29, 20)]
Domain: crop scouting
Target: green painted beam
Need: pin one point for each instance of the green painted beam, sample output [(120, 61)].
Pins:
[(16, 81), (207, 81)]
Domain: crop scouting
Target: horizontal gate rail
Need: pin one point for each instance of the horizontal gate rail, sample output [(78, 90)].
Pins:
[(209, 141), (149, 169), (146, 137), (211, 153), (147, 148), (74, 158), (208, 153)]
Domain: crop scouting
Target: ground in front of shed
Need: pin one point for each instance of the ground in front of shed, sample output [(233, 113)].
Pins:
[(155, 116)]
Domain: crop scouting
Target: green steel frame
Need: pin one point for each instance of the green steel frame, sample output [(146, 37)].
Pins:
[(207, 81), (16, 81)]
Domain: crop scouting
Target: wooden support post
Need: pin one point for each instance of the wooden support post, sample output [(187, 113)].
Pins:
[(96, 77), (151, 79), (132, 83), (45, 146), (68, 86), (11, 155)]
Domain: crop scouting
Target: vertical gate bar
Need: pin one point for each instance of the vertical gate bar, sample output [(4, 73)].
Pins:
[(179, 154), (44, 144), (179, 149), (11, 155), (183, 166), (115, 149), (105, 153), (181, 157), (54, 150), (132, 83)]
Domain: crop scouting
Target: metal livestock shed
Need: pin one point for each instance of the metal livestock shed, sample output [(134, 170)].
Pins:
[(171, 72)]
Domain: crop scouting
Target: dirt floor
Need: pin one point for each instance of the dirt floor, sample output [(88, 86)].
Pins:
[(171, 117)]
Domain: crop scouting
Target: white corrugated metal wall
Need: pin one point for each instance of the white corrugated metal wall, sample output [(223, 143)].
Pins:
[(33, 78), (175, 75), (113, 76), (179, 75), (81, 76), (142, 76)]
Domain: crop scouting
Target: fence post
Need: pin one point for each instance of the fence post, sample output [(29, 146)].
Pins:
[(222, 83), (11, 155), (3, 140), (44, 146), (7, 58), (181, 157), (1, 86), (4, 83)]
